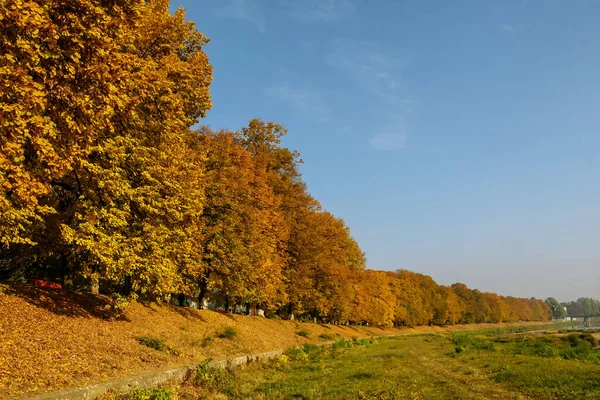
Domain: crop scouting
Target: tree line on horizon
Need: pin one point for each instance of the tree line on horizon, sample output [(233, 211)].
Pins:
[(583, 306), (107, 186)]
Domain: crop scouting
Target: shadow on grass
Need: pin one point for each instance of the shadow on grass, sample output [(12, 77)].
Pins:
[(65, 302), (188, 312), (351, 327)]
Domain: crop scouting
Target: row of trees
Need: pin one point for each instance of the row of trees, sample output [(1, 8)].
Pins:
[(106, 186), (583, 306), (408, 298)]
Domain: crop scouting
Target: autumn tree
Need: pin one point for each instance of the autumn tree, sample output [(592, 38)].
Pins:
[(498, 309), (411, 304), (477, 308), (322, 267), (375, 302), (449, 307), (120, 86), (243, 231)]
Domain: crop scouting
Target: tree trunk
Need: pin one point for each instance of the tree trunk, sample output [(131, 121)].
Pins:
[(203, 287), (94, 283), (127, 286), (63, 269)]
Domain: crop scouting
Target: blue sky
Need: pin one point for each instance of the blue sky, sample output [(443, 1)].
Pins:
[(457, 139)]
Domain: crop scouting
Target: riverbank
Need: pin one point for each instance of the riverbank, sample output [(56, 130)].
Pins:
[(481, 365), (54, 339)]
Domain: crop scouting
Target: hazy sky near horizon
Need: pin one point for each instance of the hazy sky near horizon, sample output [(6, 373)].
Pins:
[(459, 139)]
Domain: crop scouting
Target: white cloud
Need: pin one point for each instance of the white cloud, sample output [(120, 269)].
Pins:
[(244, 10), (320, 10), (302, 100), (380, 75), (375, 71)]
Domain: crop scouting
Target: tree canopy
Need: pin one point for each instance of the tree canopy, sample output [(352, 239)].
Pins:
[(582, 307)]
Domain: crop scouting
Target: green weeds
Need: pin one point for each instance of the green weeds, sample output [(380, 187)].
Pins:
[(491, 364), (142, 394), (155, 344), (228, 333), (303, 332), (327, 336)]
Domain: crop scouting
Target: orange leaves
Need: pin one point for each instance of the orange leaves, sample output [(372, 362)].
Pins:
[(242, 227)]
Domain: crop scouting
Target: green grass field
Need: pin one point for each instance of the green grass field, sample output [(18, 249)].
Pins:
[(492, 364)]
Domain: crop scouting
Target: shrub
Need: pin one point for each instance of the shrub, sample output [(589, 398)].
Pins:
[(204, 372), (282, 361), (152, 394), (18, 276), (481, 344), (573, 339), (544, 349), (461, 340), (297, 354), (206, 341), (326, 336), (465, 341), (505, 374), (589, 338), (216, 379), (118, 304), (341, 344), (155, 344), (228, 333), (310, 348), (303, 332)]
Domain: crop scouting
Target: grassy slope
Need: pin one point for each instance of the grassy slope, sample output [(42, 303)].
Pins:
[(51, 339), (400, 368), (412, 367)]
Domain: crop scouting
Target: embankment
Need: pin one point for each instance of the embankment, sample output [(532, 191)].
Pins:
[(54, 339)]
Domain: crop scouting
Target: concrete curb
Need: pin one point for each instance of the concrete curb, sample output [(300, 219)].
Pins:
[(152, 379)]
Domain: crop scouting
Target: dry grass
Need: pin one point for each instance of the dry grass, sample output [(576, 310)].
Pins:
[(53, 339)]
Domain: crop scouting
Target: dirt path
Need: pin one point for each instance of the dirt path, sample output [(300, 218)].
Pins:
[(454, 379)]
